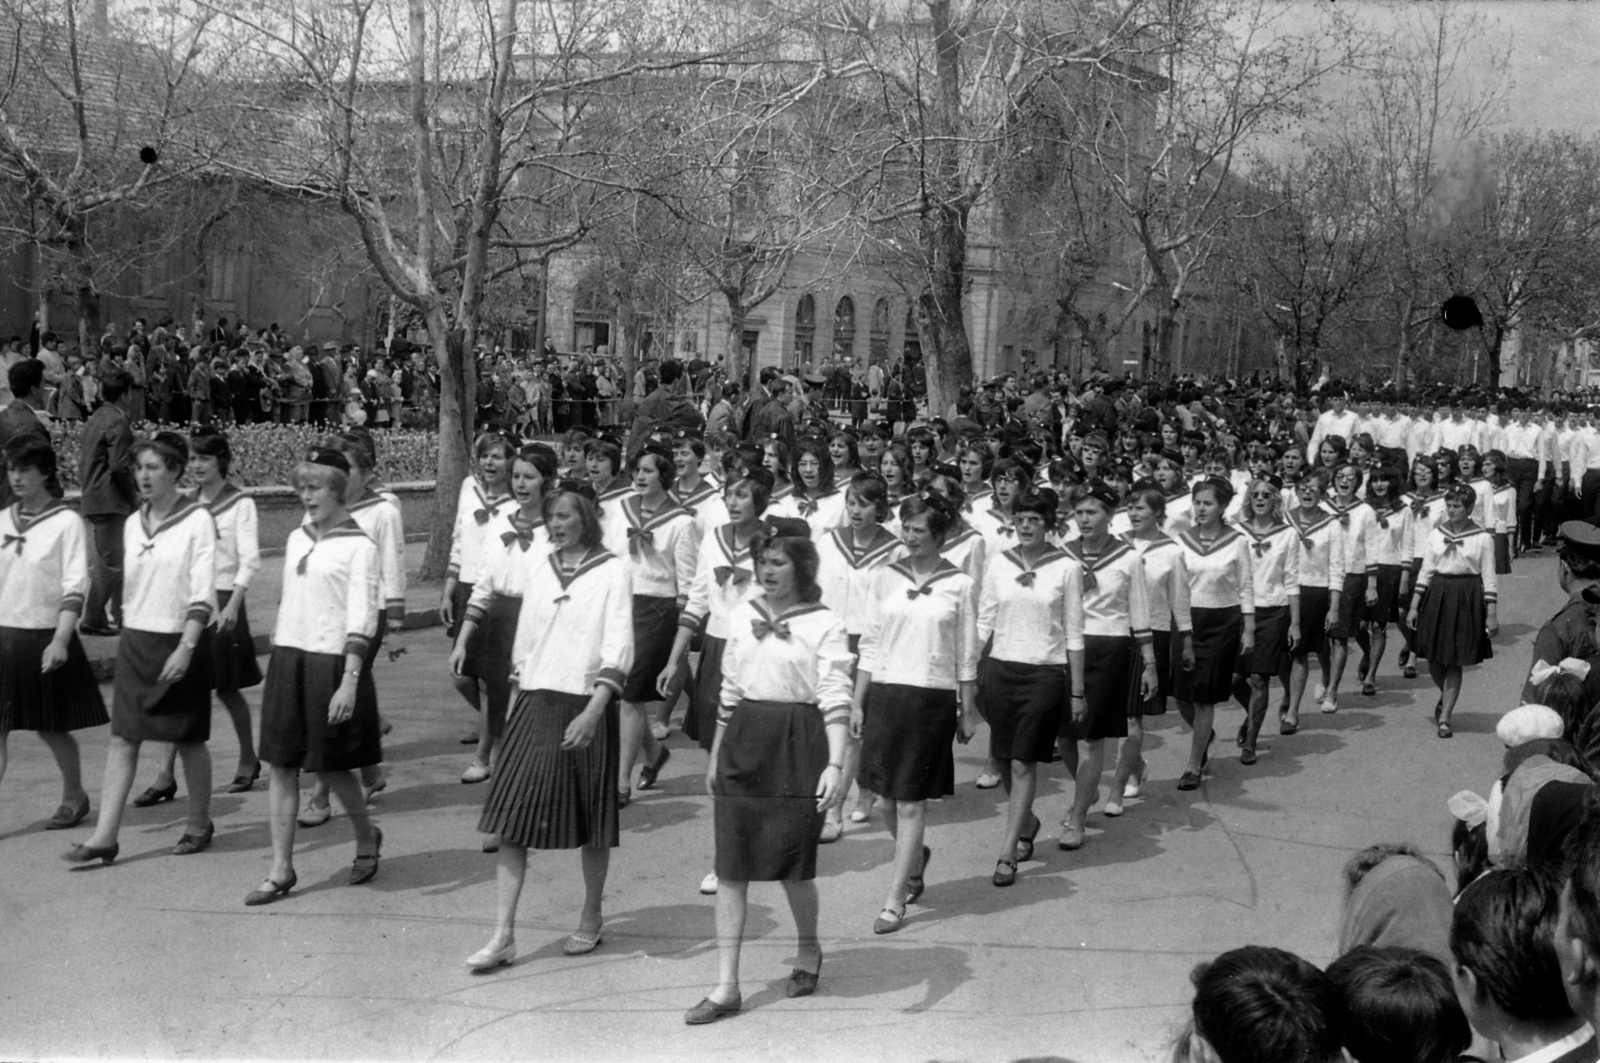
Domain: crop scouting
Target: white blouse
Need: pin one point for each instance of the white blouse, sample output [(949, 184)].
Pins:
[(1106, 595), (845, 572), (1423, 514), (1356, 523), (576, 630), (724, 576), (1179, 515), (1466, 553), (168, 571), (800, 656), (331, 591), (1322, 552), (1482, 511), (661, 549), (1219, 572), (1274, 563), (1024, 608), (705, 505), (1503, 509), (821, 514), (44, 566), (1166, 578), (922, 636), (968, 551), (513, 551), (998, 531), (474, 512), (380, 519), (1386, 538), (238, 537)]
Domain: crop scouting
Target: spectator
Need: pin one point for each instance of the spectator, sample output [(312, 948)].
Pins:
[(199, 389), (109, 495), (665, 409), (1398, 1006), (55, 370), (1395, 896), (1258, 1004)]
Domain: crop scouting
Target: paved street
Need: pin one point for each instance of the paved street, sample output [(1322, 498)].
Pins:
[(1086, 958)]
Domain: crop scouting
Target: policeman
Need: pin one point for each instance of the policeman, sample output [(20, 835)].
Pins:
[(1570, 632)]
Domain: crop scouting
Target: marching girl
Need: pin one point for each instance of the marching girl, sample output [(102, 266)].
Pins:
[(777, 762), (516, 544), (1113, 660), (1447, 470), (1321, 562), (46, 684), (775, 458), (162, 691), (697, 494), (1175, 488), (1355, 523), (847, 562), (1222, 604), (1454, 613), (915, 690), (1470, 471), (482, 498), (233, 649), (1275, 572), (846, 457), (379, 519), (1502, 508), (1293, 464), (319, 709), (816, 500), (896, 468), (963, 546), (1333, 453), (1386, 561), (1166, 580), (924, 451), (1424, 509), (976, 464), (1012, 476), (724, 576), (1022, 606), (555, 786), (657, 538)]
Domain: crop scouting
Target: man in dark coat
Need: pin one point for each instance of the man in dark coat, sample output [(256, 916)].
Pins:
[(109, 495), (664, 409)]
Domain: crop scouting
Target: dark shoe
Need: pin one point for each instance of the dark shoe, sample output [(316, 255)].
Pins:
[(803, 983), (365, 868), (624, 799), (1025, 843), (915, 885), (69, 816), (153, 796), (1247, 755), (1444, 730), (648, 773), (190, 844), (1369, 689), (1005, 872), (1289, 727), (470, 739), (709, 1011), (888, 921), (244, 783), (1410, 671), (99, 630), (1190, 780), (83, 854), (275, 891)]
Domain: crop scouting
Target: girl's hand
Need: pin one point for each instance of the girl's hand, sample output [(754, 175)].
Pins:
[(580, 732), (1372, 592), (177, 664), (1294, 636), (343, 703), (1187, 655), (664, 680), (857, 717), (711, 778), (229, 615), (55, 655), (1411, 618), (458, 656), (1149, 683), (828, 789)]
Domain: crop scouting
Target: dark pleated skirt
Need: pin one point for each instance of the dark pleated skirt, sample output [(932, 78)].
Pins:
[(906, 737), (458, 601), (1386, 610), (1157, 703), (1217, 633), (1024, 704), (1314, 602), (1451, 622), (1112, 666), (295, 732), (233, 653), (1502, 553), (700, 722), (145, 710), (1352, 606), (545, 797), (766, 815), (655, 627), (1271, 654), (67, 699), (488, 653)]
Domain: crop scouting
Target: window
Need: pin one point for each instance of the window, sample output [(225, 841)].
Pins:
[(805, 328), (844, 329), (913, 341), (880, 332)]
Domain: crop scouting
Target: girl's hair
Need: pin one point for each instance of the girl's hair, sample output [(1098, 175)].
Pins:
[(212, 443), (358, 448), (605, 450), (1399, 1006), (1151, 496), (1565, 693), (1353, 467), (1040, 500), (850, 449), (760, 488), (1498, 457), (1470, 845), (981, 452), (816, 448), (1468, 452), (1446, 458), (1319, 476), (591, 530), (900, 455), (780, 450), (661, 458), (1386, 473), (1340, 448), (490, 439), (941, 513), (1503, 931), (1258, 1003), (1015, 467), (1462, 494), (1432, 470), (1276, 511), (926, 438), (871, 488), (31, 452), (170, 447), (946, 479), (315, 474), (802, 554), (541, 457), (695, 444), (1222, 489)]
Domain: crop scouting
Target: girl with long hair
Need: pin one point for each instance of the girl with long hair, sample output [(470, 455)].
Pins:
[(1454, 614)]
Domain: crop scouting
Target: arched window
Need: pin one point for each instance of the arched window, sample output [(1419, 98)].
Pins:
[(844, 329), (880, 331), (913, 342), (805, 329)]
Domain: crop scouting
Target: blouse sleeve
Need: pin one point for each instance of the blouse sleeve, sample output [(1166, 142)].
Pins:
[(967, 645), (685, 557), (1375, 534), (977, 565), (1336, 556), (1247, 578), (732, 682), (493, 577), (834, 683), (1178, 593), (1491, 580), (1430, 561), (74, 566), (698, 605), (361, 601), (988, 608), (458, 531), (1072, 598), (202, 568), (1139, 600), (247, 541), (873, 632), (1291, 567), (616, 643), (391, 564)]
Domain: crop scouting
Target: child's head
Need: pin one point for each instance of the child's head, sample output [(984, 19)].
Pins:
[(1564, 693)]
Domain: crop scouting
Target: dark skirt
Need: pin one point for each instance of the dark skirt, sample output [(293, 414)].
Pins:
[(458, 608), (1314, 602), (1271, 654), (1024, 704), (1156, 704), (1352, 606), (906, 734), (1217, 633), (700, 722), (1502, 553), (67, 699), (488, 653), (295, 732), (233, 653), (546, 797), (1452, 622), (655, 627), (1112, 665), (145, 710), (765, 808), (1386, 610)]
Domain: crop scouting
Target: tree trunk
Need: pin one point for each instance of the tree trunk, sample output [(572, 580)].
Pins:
[(455, 433), (1403, 352), (737, 369)]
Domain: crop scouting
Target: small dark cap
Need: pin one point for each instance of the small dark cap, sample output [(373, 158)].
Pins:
[(815, 381), (333, 459), (1581, 539)]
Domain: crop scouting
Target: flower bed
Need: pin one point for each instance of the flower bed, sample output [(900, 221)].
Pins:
[(264, 454)]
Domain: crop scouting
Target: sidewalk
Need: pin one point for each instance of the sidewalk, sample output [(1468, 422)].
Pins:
[(422, 607)]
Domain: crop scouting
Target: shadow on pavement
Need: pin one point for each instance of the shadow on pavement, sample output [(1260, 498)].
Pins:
[(874, 970), (646, 814)]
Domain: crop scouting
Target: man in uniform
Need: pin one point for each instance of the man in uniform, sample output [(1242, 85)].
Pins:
[(1570, 633)]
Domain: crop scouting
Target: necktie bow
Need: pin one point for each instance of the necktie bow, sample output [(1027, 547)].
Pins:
[(525, 538), (1090, 582), (1305, 541), (725, 573), (1419, 507), (19, 540), (1026, 578), (640, 537), (1006, 529), (481, 516), (807, 507), (1383, 521), (1344, 520), (1261, 548), (1568, 665), (762, 628), (1452, 546), (925, 589), (563, 598), (146, 548)]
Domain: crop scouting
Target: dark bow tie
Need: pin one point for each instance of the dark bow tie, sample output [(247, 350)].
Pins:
[(1419, 507), (1452, 546), (1006, 529), (925, 589), (1026, 578), (1383, 521), (19, 540), (725, 573), (562, 598), (1305, 541), (525, 538), (639, 538), (762, 628), (1090, 581), (482, 516), (147, 547), (1344, 520), (1261, 548), (807, 507)]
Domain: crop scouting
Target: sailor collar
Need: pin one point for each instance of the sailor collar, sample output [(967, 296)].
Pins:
[(882, 544), (176, 517), (1192, 541), (1094, 564), (24, 521)]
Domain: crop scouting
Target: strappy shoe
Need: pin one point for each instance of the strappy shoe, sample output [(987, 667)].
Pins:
[(1005, 872), (275, 891), (583, 942), (1444, 730), (365, 868), (1025, 843), (155, 795), (889, 921), (190, 844)]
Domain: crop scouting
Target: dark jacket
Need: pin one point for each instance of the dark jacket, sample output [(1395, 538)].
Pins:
[(106, 465), (662, 410)]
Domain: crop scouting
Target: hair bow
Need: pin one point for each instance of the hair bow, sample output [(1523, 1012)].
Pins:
[(18, 539), (762, 628), (1542, 670), (1469, 808), (724, 573)]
